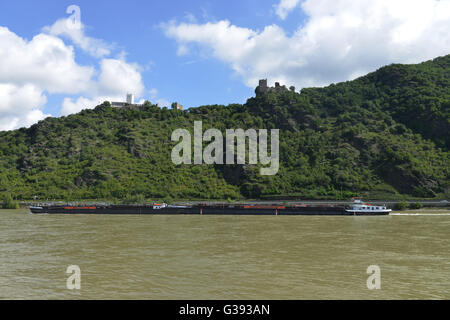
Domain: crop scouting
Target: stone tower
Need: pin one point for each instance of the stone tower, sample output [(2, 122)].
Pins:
[(177, 106), (262, 87)]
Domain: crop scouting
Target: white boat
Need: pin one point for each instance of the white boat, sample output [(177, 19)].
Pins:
[(360, 208)]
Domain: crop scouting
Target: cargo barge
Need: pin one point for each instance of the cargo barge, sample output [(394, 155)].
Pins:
[(202, 209)]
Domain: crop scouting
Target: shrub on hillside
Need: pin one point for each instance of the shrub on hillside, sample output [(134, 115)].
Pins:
[(400, 206), (416, 206)]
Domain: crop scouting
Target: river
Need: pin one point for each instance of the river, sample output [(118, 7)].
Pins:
[(224, 257)]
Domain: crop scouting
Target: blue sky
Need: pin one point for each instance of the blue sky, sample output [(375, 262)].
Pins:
[(202, 52), (134, 26)]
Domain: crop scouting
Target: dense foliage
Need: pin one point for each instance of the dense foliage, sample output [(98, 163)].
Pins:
[(382, 135), (8, 202)]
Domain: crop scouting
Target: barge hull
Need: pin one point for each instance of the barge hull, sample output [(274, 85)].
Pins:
[(143, 210)]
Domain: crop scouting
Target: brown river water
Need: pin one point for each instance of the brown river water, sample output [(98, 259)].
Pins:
[(225, 257)]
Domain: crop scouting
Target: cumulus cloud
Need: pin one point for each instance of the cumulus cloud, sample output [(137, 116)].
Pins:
[(30, 69), (76, 32), (71, 106), (120, 76), (20, 106), (117, 77), (45, 61), (285, 7), (341, 40)]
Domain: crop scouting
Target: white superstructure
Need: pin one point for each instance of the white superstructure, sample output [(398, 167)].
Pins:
[(358, 207), (130, 98), (159, 206), (129, 102)]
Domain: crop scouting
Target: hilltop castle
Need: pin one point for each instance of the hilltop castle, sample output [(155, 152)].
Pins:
[(177, 106), (263, 88), (129, 102)]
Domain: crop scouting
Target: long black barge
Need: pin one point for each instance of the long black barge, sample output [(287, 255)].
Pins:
[(197, 210)]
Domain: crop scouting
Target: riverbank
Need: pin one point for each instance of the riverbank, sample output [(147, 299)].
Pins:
[(389, 203)]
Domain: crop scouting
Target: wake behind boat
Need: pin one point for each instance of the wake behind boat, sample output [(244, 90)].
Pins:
[(357, 208)]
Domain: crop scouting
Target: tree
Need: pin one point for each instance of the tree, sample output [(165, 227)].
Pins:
[(9, 203)]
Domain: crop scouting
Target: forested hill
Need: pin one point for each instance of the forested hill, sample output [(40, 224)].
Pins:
[(382, 135)]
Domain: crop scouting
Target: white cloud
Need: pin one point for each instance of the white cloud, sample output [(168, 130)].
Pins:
[(45, 65), (71, 106), (28, 69), (20, 106), (285, 7), (341, 39), (65, 27), (45, 61), (118, 76)]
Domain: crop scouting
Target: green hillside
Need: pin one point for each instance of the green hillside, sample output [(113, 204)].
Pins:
[(382, 135)]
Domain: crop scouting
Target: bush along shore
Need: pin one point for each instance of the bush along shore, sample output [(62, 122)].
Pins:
[(8, 202)]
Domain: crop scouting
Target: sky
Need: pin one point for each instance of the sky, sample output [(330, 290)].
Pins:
[(59, 57)]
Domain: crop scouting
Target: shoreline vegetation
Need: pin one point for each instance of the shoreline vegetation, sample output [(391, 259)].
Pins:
[(8, 202), (402, 205)]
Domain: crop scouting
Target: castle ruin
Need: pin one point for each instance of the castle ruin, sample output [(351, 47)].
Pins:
[(177, 106), (264, 88)]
